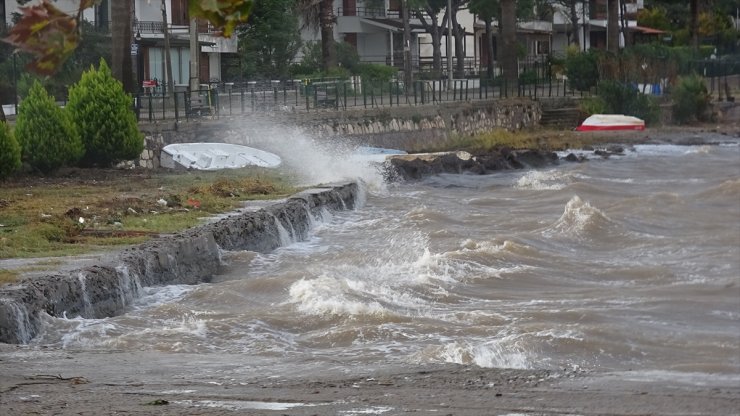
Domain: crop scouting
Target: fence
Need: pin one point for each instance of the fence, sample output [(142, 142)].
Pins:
[(536, 81), (227, 99)]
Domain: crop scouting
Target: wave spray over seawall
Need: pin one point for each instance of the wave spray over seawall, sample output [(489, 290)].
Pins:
[(623, 264)]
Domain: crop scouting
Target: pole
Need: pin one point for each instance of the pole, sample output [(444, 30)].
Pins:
[(449, 44), (194, 57), (15, 85)]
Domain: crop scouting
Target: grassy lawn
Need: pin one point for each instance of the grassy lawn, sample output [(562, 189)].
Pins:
[(81, 210)]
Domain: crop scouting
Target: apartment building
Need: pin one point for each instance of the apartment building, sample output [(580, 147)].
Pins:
[(148, 37)]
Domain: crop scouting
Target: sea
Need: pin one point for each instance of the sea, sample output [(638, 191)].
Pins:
[(629, 263)]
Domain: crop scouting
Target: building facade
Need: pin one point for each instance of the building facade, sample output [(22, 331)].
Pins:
[(148, 28)]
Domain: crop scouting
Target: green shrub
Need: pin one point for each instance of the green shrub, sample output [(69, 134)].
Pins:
[(582, 70), (104, 115), (10, 151), (376, 73), (594, 105), (528, 77), (690, 100), (620, 98), (46, 133)]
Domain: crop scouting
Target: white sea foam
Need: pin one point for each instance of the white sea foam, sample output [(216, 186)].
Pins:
[(314, 160), (540, 180), (580, 218), (504, 351)]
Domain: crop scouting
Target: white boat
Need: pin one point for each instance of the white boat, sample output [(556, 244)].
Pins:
[(215, 156), (611, 122)]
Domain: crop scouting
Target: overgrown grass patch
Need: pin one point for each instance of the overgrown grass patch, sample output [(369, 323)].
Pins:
[(541, 139), (80, 210)]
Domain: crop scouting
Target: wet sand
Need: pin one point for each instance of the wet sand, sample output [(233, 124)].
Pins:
[(38, 381)]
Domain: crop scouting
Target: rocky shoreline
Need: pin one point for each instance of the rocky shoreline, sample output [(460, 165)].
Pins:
[(190, 257)]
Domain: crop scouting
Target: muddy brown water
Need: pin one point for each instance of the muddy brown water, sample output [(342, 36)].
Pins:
[(629, 265)]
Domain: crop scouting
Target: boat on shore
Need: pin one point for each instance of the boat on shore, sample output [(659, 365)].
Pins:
[(600, 122), (215, 156)]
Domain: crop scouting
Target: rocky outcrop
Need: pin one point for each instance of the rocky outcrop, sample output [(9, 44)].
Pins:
[(413, 167), (190, 257)]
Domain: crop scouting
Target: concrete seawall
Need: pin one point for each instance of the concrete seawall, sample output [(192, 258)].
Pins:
[(190, 257)]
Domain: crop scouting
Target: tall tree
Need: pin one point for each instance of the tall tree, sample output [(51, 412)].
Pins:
[(694, 25), (326, 21), (486, 11), (319, 14), (612, 26), (407, 68), (428, 14), (270, 39), (510, 66), (167, 52), (121, 62), (571, 13), (458, 32)]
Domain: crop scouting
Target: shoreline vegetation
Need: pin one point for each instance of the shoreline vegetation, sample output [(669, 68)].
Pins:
[(91, 211)]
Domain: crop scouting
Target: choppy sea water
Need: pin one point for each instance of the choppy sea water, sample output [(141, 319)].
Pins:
[(627, 263)]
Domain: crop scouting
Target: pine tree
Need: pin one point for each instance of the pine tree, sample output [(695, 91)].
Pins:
[(47, 135), (10, 151), (104, 115)]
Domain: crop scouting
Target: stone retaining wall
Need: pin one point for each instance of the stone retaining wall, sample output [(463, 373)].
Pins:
[(190, 257), (410, 128)]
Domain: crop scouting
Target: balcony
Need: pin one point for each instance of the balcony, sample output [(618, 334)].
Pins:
[(150, 27), (368, 12)]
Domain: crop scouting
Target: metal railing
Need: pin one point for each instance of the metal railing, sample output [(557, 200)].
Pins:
[(232, 99), (362, 11)]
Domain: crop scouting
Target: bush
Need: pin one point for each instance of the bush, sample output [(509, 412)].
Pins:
[(582, 70), (10, 151), (528, 77), (376, 73), (104, 115), (690, 100), (46, 133), (619, 98)]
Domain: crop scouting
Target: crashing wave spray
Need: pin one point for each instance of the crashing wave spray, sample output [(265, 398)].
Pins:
[(313, 160)]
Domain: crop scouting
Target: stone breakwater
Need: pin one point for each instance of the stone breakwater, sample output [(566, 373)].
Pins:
[(190, 257), (418, 166)]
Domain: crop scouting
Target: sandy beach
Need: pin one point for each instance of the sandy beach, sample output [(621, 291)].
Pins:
[(35, 381)]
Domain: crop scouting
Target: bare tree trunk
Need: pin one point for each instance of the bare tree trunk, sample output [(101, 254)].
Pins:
[(612, 26), (459, 36), (2, 115), (407, 68), (434, 28), (509, 47), (694, 25), (574, 22), (121, 62), (326, 23)]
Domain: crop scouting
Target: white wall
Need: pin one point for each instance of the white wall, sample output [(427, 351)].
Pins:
[(151, 11)]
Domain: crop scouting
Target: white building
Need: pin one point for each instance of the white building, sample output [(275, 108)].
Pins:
[(592, 20), (375, 29), (148, 33)]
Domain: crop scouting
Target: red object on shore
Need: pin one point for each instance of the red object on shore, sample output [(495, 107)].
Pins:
[(611, 122)]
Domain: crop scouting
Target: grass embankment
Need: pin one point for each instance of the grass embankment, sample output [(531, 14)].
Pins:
[(83, 211), (541, 139)]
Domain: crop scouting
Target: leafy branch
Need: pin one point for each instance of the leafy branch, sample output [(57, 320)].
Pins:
[(51, 36)]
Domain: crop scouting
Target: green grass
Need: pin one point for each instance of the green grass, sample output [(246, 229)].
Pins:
[(40, 217)]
